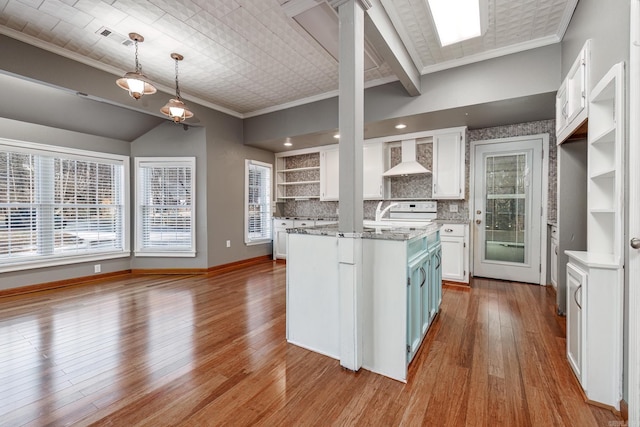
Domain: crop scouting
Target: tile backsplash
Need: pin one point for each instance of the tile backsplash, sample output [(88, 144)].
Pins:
[(419, 186)]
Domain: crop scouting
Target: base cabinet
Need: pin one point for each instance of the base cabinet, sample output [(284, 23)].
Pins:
[(576, 286), (594, 325), (280, 237), (455, 252), (396, 320), (553, 256)]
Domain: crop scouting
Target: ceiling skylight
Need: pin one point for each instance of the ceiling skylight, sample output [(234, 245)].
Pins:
[(456, 20)]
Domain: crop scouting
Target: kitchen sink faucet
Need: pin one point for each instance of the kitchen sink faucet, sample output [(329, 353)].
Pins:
[(380, 213)]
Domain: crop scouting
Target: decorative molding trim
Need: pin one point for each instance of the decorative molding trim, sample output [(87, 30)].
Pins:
[(491, 54), (61, 283), (168, 271), (237, 265)]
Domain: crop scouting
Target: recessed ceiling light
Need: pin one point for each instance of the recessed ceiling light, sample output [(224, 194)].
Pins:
[(336, 136), (401, 126), (456, 21), (288, 144)]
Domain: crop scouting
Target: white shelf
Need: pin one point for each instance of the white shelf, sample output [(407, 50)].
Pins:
[(602, 211), (299, 197), (299, 182), (310, 168), (605, 136), (604, 174)]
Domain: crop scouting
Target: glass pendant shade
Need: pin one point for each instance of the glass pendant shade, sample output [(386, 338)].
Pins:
[(136, 83), (175, 108)]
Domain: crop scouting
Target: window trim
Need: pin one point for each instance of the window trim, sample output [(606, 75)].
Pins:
[(247, 240), (172, 251), (35, 148)]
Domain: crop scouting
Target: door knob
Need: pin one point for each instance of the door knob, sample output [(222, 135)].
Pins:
[(478, 212), (478, 221), (635, 243)]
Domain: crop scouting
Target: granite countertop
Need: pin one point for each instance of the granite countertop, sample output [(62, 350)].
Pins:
[(452, 221), (380, 233), (304, 218)]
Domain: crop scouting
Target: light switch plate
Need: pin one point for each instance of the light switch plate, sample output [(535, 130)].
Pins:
[(453, 207)]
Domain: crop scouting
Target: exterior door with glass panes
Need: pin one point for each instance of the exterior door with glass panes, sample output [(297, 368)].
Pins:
[(508, 210)]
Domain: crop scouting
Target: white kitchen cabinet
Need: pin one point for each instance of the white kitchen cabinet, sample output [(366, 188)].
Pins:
[(329, 174), (280, 237), (455, 252), (448, 166), (594, 325), (571, 101), (576, 286), (553, 256), (372, 169)]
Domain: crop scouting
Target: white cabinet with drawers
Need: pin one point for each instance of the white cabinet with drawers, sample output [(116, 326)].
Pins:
[(455, 252)]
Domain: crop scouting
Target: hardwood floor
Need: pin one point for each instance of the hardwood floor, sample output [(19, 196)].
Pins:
[(201, 350)]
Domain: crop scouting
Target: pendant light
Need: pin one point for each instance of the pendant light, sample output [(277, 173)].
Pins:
[(175, 108), (134, 81)]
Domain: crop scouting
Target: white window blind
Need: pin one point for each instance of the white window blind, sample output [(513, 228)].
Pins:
[(257, 202), (166, 200), (57, 206)]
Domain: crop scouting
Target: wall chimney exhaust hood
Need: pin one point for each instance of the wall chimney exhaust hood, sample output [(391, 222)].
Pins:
[(409, 165)]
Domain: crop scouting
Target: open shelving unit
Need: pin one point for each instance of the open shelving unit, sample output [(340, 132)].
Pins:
[(605, 166), (298, 177)]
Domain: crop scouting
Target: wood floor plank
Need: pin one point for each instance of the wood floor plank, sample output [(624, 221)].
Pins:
[(194, 350)]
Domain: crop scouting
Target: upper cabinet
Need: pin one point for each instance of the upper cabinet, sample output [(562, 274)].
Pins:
[(329, 174), (448, 166), (571, 101), (372, 169)]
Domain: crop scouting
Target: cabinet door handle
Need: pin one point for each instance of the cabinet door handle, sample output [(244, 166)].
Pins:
[(448, 230), (556, 250), (575, 297), (438, 266), (424, 276)]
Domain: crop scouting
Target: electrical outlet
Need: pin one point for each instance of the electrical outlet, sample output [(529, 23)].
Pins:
[(453, 207), (97, 268), (228, 243)]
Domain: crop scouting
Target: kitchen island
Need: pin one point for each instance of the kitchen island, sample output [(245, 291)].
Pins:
[(401, 292)]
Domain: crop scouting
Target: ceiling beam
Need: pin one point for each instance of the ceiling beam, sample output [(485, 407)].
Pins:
[(380, 31)]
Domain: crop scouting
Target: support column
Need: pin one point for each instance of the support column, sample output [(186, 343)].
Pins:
[(351, 123)]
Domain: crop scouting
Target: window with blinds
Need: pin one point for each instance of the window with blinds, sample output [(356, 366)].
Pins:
[(165, 214), (257, 202), (58, 205)]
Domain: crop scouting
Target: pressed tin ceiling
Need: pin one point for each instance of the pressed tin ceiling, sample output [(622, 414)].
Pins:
[(246, 57)]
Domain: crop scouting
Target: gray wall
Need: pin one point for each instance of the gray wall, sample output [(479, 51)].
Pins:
[(220, 151), (607, 24), (527, 73), (171, 140), (20, 131)]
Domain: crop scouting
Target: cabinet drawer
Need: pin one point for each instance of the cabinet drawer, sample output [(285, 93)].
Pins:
[(456, 230), (303, 223), (282, 223)]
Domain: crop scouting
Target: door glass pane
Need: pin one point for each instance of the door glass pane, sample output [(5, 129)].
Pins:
[(506, 178)]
